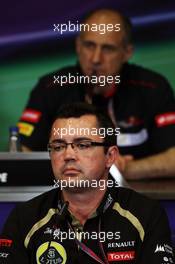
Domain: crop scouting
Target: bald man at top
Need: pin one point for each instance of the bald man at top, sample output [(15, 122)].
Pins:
[(139, 101)]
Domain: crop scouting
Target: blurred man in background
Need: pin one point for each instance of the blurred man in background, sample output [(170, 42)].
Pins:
[(139, 101)]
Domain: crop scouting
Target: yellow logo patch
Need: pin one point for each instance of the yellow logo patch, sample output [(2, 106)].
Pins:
[(25, 129), (53, 253)]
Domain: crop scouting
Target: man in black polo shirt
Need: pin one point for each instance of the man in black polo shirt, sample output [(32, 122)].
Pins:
[(140, 102), (88, 218)]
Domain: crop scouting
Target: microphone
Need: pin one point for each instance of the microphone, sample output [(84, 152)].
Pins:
[(63, 212), (60, 217)]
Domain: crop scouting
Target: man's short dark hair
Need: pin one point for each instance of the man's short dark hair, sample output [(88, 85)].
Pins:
[(126, 22), (77, 110)]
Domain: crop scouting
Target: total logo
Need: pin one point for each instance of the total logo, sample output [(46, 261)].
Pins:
[(5, 242), (121, 256)]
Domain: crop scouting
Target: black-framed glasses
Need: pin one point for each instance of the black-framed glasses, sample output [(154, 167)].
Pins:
[(79, 146)]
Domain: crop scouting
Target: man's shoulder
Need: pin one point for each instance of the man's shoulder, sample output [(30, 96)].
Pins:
[(39, 204), (136, 203), (126, 194), (27, 214), (54, 83), (53, 87), (73, 69), (135, 72)]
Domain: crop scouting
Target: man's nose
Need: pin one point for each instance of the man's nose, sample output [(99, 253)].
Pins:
[(97, 56), (70, 153)]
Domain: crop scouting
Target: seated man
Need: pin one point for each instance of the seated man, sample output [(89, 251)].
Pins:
[(140, 102), (85, 221)]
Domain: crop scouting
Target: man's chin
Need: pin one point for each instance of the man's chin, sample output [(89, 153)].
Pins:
[(98, 89), (74, 183)]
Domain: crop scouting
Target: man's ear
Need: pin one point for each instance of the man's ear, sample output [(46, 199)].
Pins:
[(129, 50), (111, 156)]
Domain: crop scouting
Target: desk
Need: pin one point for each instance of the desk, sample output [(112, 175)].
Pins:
[(25, 169), (162, 189)]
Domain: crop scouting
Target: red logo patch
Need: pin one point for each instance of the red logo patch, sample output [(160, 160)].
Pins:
[(5, 242), (121, 256), (30, 115), (165, 119)]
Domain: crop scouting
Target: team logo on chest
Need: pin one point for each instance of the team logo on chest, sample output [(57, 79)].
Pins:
[(54, 253)]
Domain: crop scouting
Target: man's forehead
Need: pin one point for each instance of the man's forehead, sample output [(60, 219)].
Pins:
[(108, 37), (73, 127)]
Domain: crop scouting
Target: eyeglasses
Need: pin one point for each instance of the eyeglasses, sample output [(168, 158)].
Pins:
[(79, 146)]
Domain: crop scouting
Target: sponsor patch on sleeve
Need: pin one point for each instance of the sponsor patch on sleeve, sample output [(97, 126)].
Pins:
[(5, 242), (31, 115), (165, 119), (25, 129)]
